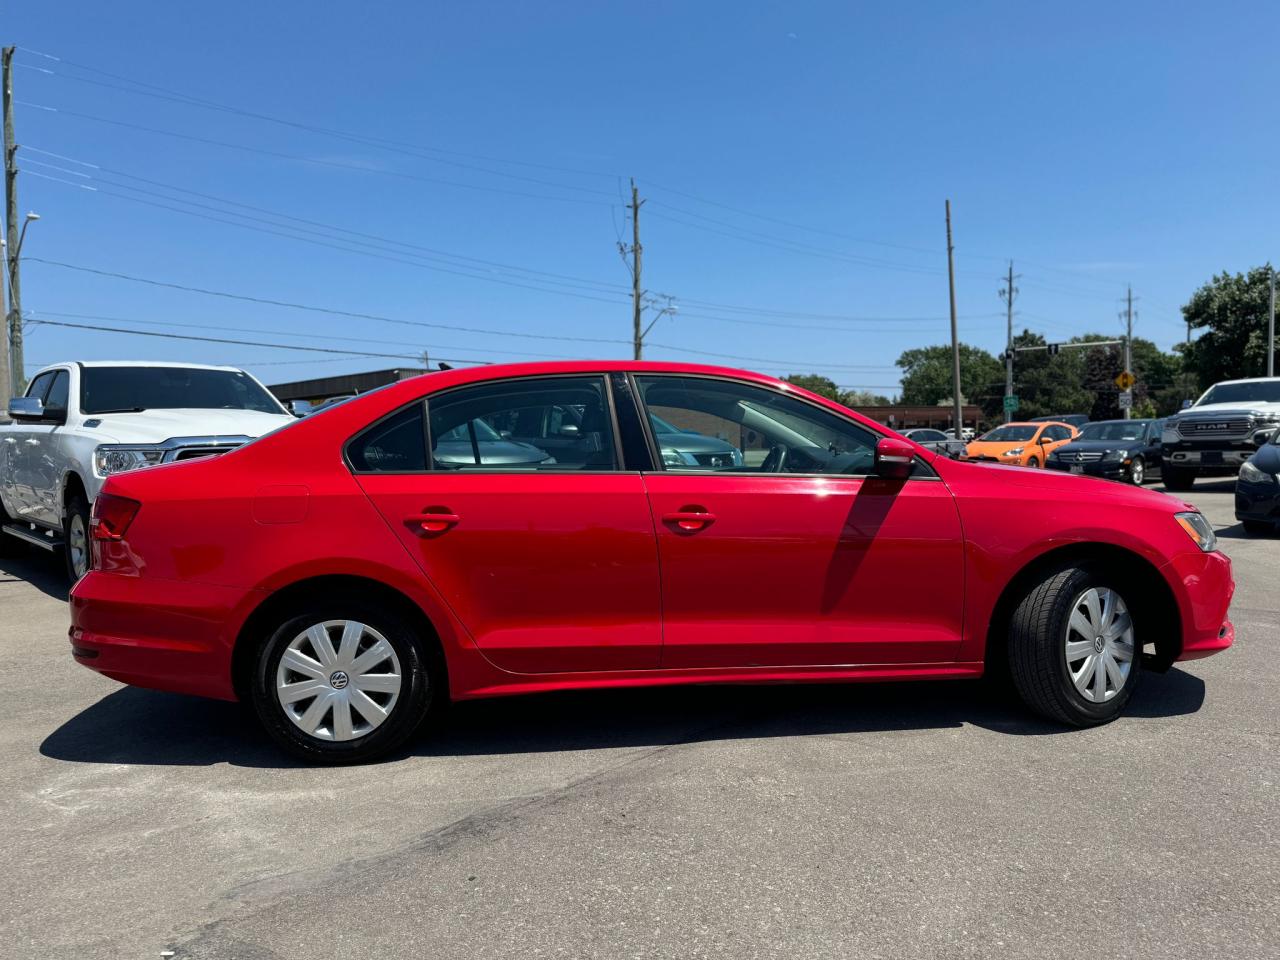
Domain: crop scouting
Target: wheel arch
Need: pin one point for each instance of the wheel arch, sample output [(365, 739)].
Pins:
[(327, 586), (1157, 611)]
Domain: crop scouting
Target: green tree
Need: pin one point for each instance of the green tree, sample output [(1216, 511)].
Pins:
[(864, 398), (927, 375), (826, 387), (1233, 312)]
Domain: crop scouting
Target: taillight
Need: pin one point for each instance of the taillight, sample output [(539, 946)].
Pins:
[(112, 516)]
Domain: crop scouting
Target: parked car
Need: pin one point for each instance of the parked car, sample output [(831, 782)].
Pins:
[(1258, 489), (936, 441), (1076, 420), (79, 423), (1127, 450), (966, 433), (1021, 444), (332, 577), (1220, 431)]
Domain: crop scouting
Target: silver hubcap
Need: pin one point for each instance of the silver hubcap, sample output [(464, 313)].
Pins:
[(338, 680), (1136, 471), (78, 544), (1099, 646)]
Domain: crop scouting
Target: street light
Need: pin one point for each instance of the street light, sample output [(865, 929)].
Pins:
[(31, 216)]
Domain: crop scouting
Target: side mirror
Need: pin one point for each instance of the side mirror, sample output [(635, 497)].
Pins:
[(26, 408), (1186, 404), (569, 430), (893, 458)]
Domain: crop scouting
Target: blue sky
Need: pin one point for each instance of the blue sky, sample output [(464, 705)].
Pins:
[(794, 158)]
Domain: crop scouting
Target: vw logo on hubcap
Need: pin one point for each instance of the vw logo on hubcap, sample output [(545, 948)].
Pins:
[(338, 679), (1098, 644)]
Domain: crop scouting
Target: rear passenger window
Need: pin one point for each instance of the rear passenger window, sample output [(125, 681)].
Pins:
[(395, 445)]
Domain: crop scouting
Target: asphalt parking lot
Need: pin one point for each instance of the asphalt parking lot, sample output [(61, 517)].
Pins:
[(924, 820)]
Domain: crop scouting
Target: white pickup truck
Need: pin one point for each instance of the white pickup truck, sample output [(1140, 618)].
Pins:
[(81, 422), (1215, 435)]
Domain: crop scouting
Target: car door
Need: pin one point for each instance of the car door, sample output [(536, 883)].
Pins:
[(797, 556), (23, 441), (551, 566), (43, 457), (1151, 447)]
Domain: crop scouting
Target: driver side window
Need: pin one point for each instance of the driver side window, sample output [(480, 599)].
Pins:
[(706, 424)]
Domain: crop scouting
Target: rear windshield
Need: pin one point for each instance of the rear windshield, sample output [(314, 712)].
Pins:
[(1265, 392), (1002, 434), (108, 389), (1119, 430)]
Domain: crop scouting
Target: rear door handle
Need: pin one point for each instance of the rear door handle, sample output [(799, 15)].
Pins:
[(433, 521), (689, 520)]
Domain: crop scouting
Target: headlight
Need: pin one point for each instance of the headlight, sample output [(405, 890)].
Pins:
[(1169, 434), (1111, 456), (1015, 452), (1198, 529), (115, 458), (1251, 474), (678, 458)]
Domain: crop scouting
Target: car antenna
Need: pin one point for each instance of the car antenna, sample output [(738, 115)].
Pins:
[(444, 366)]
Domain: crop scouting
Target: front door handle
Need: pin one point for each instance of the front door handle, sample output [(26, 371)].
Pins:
[(690, 521), (433, 521)]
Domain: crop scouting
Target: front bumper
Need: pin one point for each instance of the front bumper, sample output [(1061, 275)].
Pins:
[(1258, 501), (163, 634), (1220, 457), (1107, 470), (1203, 587)]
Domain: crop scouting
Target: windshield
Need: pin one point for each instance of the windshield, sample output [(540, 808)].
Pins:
[(1267, 391), (1116, 430), (107, 389), (1005, 434)]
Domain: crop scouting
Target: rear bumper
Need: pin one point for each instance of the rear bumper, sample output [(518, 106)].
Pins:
[(1203, 585), (164, 634)]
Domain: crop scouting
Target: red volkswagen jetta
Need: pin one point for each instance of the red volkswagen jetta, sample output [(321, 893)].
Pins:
[(508, 529)]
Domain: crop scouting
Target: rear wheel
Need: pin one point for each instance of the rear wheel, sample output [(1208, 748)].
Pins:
[(1072, 648), (1258, 528), (1137, 472), (1176, 478), (75, 531), (344, 682)]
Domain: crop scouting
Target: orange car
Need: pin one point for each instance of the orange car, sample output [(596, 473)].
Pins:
[(1023, 444)]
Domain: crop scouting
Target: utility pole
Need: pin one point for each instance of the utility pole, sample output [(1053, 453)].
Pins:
[(955, 336), (1271, 325), (6, 385), (1008, 294), (637, 294), (17, 369), (1128, 346)]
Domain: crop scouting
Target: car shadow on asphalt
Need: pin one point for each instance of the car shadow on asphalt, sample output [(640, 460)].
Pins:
[(44, 571), (145, 727)]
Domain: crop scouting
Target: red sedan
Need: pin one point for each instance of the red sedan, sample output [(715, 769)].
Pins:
[(509, 529)]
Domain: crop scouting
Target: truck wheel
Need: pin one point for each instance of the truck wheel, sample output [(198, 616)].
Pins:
[(1176, 478), (1072, 648), (75, 531)]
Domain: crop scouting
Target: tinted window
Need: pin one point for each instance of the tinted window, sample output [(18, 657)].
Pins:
[(104, 389), (1266, 391), (37, 387), (543, 424), (397, 444), (1057, 433), (926, 436), (58, 392), (728, 426), (1114, 430)]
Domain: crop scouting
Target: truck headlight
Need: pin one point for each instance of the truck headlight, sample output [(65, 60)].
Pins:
[(1198, 529), (1169, 434), (1251, 474), (118, 458)]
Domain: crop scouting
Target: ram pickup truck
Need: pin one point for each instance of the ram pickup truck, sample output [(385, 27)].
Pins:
[(78, 423), (1220, 431)]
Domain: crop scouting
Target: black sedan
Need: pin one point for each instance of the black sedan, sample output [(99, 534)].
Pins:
[(1126, 450), (1258, 489)]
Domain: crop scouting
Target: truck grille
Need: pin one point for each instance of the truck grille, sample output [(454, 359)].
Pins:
[(714, 459), (1215, 428)]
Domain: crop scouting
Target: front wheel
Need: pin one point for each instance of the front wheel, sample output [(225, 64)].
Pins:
[(1033, 463), (1073, 651), (75, 530), (1179, 479), (344, 683), (1137, 472)]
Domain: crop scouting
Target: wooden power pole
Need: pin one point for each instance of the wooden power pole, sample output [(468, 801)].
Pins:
[(16, 366), (637, 306), (955, 337)]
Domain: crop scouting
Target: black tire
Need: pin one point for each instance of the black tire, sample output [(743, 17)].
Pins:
[(1033, 463), (1258, 528), (1138, 472), (1178, 479), (422, 690), (1037, 653), (76, 559)]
